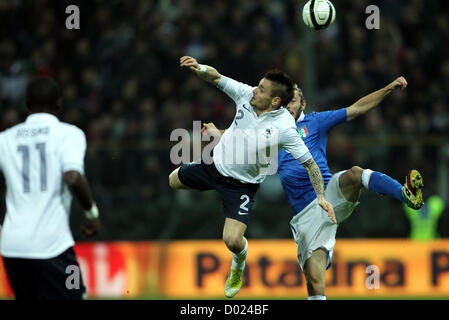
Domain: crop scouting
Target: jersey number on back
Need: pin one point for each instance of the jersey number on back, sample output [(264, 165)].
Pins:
[(25, 151)]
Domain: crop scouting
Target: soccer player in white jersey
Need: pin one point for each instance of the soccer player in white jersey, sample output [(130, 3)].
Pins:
[(314, 235), (259, 110), (42, 160)]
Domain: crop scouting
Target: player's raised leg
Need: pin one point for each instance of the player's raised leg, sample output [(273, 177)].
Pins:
[(233, 232), (355, 178), (412, 190), (351, 184), (314, 271)]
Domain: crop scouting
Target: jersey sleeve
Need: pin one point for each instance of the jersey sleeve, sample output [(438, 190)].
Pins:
[(234, 89), (73, 151), (292, 143), (330, 119)]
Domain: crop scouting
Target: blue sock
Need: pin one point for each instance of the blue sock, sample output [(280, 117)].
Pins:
[(382, 184)]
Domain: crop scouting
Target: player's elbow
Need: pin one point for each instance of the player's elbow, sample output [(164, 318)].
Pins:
[(309, 164), (71, 178), (216, 79), (353, 112)]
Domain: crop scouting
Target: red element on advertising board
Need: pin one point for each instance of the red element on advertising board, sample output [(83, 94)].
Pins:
[(103, 267), (5, 287)]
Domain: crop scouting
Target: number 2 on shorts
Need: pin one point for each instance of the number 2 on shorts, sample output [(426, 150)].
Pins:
[(243, 205)]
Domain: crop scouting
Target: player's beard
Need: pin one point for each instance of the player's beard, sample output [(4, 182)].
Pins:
[(259, 105)]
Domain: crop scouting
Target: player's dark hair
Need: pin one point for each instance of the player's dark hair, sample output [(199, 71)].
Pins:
[(43, 94), (281, 86)]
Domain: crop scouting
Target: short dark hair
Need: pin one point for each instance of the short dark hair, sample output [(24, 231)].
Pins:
[(43, 94), (282, 85)]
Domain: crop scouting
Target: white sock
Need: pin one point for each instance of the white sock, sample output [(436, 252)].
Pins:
[(238, 263), (366, 175), (320, 297)]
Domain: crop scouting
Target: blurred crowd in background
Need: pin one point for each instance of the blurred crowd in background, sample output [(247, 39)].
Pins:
[(123, 86)]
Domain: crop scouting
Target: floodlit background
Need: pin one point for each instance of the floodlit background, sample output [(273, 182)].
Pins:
[(124, 88)]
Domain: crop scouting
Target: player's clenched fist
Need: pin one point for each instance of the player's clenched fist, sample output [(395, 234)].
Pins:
[(399, 82), (91, 228)]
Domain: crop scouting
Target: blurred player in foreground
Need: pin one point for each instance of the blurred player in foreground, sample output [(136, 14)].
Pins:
[(42, 161), (312, 232), (259, 110)]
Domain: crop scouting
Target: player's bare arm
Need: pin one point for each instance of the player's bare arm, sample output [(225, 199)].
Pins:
[(316, 179), (207, 73), (80, 189), (373, 99)]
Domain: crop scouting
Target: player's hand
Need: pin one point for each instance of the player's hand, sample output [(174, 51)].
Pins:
[(91, 228), (210, 130), (399, 82), (328, 208), (190, 63)]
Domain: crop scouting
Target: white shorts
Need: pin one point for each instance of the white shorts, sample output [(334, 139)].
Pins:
[(312, 227)]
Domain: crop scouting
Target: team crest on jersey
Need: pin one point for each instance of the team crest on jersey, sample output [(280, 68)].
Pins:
[(268, 132), (303, 132)]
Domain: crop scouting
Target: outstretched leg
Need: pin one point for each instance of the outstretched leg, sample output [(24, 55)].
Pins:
[(352, 181)]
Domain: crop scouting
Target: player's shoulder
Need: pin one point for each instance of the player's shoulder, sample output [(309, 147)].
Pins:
[(228, 83), (321, 115), (285, 120), (285, 123), (11, 130), (70, 130), (284, 115), (69, 127), (326, 113), (315, 114)]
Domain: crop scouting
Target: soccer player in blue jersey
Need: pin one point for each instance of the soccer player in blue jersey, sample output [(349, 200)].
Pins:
[(312, 230)]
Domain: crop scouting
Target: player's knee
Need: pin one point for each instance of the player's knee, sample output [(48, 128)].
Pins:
[(234, 242), (173, 180), (355, 175)]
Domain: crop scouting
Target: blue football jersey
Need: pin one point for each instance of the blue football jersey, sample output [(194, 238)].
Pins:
[(314, 129)]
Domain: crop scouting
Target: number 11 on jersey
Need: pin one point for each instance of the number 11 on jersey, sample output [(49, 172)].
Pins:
[(25, 151)]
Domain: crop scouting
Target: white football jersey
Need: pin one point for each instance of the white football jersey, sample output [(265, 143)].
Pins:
[(33, 158), (248, 147)]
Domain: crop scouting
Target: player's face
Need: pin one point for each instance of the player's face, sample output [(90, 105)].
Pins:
[(296, 105), (262, 99)]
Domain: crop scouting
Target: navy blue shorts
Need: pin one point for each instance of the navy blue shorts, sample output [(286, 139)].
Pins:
[(46, 279), (237, 197)]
